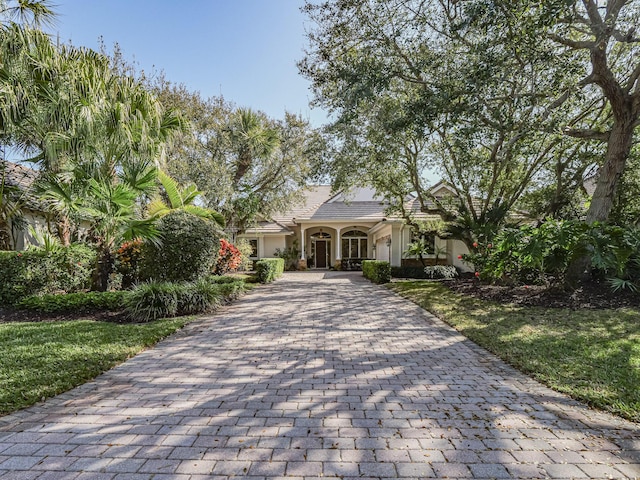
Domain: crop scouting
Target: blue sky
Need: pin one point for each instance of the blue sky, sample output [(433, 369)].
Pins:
[(245, 49)]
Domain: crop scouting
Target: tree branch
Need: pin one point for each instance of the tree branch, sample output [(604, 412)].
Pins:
[(587, 134), (576, 45)]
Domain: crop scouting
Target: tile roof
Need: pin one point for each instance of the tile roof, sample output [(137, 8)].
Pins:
[(268, 227), (18, 175), (314, 197), (370, 211), (22, 177)]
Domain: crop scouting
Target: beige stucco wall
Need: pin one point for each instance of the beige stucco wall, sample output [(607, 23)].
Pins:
[(271, 243), (456, 248)]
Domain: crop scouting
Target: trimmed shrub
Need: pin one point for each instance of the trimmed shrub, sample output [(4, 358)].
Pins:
[(229, 258), (75, 302), (151, 301), (408, 272), (377, 271), (233, 290), (221, 279), (36, 272), (188, 250), (268, 269)]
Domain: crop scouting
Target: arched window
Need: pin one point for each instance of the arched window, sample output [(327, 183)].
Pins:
[(354, 244)]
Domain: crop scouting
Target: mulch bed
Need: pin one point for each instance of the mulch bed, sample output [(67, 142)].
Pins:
[(593, 295)]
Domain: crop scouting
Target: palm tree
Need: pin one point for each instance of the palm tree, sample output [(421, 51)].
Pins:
[(111, 209), (33, 13), (181, 199), (250, 137)]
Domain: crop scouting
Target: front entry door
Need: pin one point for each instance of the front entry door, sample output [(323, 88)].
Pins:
[(321, 254)]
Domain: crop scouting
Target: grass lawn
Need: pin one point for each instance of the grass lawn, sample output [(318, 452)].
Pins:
[(42, 359), (591, 355)]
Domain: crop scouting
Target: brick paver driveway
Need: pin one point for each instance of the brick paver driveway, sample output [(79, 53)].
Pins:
[(316, 375)]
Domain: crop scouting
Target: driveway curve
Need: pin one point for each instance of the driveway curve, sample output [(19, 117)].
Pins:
[(317, 375)]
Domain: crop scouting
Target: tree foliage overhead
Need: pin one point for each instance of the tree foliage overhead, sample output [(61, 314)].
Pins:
[(483, 91), (246, 164)]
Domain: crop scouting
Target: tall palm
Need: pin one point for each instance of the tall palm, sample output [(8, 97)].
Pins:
[(250, 136), (181, 199)]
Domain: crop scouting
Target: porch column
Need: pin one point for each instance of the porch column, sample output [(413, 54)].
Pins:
[(395, 255), (338, 244), (302, 230)]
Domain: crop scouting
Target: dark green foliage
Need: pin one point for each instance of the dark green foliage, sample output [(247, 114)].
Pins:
[(268, 269), (154, 300), (377, 271), (35, 272), (75, 302), (231, 291), (544, 254), (151, 301), (221, 279), (408, 272), (188, 249)]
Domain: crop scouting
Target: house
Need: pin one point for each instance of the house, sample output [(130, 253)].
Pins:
[(31, 211), (329, 229)]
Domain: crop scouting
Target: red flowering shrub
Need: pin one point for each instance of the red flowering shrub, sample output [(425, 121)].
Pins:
[(128, 259), (229, 258)]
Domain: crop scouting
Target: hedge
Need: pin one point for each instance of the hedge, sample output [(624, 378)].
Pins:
[(377, 271), (408, 272), (268, 269), (35, 272), (431, 271), (75, 302)]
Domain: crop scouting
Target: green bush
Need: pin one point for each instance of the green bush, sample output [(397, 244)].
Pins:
[(199, 297), (154, 300), (74, 302), (221, 279), (188, 249), (544, 254), (231, 291), (268, 269), (377, 271), (408, 272), (36, 272), (151, 301)]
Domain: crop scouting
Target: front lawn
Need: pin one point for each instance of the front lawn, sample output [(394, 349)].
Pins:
[(42, 359), (591, 355)]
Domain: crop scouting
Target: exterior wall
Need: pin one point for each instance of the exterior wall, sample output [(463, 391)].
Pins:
[(455, 248), (22, 239), (271, 243), (267, 244)]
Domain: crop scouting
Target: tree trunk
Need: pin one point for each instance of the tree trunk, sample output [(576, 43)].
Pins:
[(618, 150), (5, 235), (102, 272), (64, 230)]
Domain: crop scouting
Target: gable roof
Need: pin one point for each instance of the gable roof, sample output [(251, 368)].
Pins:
[(18, 175), (321, 204), (23, 178)]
